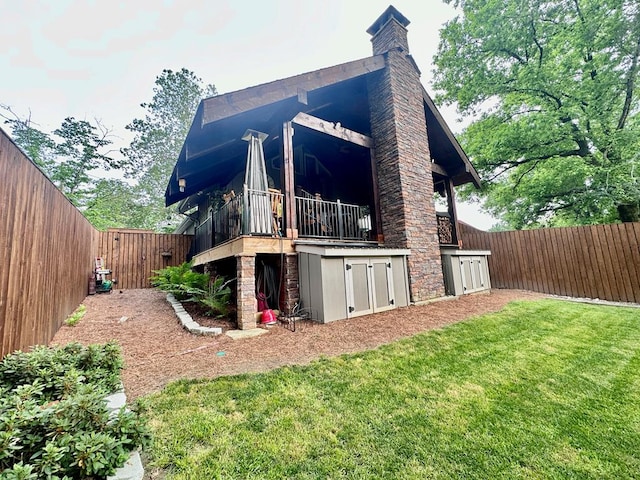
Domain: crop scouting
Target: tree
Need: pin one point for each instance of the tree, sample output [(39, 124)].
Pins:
[(80, 152), (38, 146), (159, 138), (554, 86), (112, 203), (76, 150)]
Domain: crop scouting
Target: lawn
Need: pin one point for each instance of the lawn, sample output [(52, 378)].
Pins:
[(541, 389)]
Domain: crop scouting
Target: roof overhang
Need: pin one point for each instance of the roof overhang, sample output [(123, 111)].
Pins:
[(213, 144), (453, 158)]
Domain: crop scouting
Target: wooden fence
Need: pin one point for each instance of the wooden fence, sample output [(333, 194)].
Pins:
[(132, 255), (47, 251), (600, 261)]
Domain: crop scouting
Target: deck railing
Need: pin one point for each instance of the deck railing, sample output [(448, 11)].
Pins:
[(260, 213), (204, 237), (336, 220), (252, 213), (446, 231)]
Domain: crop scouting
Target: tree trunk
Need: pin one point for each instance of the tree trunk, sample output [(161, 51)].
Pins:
[(629, 212)]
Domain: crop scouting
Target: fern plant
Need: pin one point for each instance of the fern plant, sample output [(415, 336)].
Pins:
[(217, 298), (185, 284)]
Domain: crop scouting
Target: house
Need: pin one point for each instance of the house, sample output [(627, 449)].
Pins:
[(319, 188)]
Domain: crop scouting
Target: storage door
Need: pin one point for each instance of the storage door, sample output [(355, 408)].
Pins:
[(382, 280), (472, 274), (369, 283), (358, 283)]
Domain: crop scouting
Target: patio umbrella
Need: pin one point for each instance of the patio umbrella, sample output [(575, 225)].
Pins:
[(258, 201)]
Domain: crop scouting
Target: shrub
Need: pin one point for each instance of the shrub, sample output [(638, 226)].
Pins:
[(185, 284), (189, 286), (53, 418), (217, 297), (61, 370), (76, 316)]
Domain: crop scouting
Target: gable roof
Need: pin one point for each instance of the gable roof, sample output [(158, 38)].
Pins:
[(218, 123), (223, 106)]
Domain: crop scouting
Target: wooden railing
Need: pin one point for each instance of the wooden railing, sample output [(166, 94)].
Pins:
[(323, 219)]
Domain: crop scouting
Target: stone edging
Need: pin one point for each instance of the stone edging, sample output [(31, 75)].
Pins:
[(187, 322), (132, 468)]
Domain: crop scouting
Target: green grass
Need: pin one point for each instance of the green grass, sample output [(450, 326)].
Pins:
[(544, 389), (76, 316)]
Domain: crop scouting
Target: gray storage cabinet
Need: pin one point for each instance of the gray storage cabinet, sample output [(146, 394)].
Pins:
[(465, 271), (337, 283)]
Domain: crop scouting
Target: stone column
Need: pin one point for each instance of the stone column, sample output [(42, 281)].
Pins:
[(246, 291), (399, 130), (291, 284)]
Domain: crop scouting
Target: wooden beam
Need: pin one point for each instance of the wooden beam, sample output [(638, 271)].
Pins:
[(245, 245), (333, 129), (435, 168), (453, 212), (289, 186), (229, 104)]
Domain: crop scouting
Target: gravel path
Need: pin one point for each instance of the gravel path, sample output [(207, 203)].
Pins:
[(157, 350)]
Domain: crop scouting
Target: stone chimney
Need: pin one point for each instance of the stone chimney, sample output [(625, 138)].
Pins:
[(389, 32), (405, 184)]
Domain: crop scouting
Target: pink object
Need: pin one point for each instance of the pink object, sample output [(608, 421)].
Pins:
[(262, 302), (268, 318)]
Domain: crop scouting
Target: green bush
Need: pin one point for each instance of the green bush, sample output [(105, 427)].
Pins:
[(189, 286), (61, 370), (217, 297), (76, 316), (54, 422), (185, 284)]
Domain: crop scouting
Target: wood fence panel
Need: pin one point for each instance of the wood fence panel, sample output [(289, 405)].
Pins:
[(538, 260), (47, 251), (627, 267), (132, 255), (46, 247), (632, 232), (599, 261)]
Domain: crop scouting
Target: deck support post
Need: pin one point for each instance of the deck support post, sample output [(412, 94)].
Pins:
[(289, 187), (246, 291)]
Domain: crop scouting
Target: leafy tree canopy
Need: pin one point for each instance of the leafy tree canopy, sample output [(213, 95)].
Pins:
[(75, 155), (554, 88), (70, 157), (158, 139)]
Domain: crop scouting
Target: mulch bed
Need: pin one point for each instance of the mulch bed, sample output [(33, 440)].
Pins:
[(157, 350)]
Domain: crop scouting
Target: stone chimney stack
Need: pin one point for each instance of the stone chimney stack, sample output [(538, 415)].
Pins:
[(405, 183), (389, 32)]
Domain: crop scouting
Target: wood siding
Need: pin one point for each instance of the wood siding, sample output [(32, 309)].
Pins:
[(46, 250), (599, 261), (133, 255)]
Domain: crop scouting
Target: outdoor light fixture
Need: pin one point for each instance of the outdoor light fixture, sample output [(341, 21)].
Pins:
[(182, 183)]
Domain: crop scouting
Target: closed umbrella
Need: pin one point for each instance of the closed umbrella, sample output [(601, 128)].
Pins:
[(258, 202)]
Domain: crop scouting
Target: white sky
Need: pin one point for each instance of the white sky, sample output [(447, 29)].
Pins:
[(98, 59)]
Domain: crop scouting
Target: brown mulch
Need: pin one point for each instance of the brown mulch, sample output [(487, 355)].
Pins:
[(157, 350)]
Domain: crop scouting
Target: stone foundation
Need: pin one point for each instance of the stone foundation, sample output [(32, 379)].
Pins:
[(291, 285), (246, 291)]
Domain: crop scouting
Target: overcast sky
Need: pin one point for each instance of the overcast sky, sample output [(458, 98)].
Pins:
[(99, 59)]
